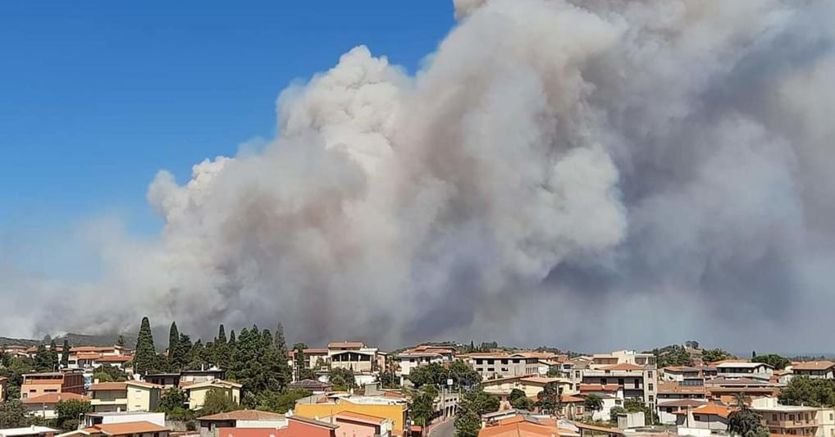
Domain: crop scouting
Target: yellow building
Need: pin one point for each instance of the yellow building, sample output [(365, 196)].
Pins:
[(394, 410), (197, 392), (143, 396)]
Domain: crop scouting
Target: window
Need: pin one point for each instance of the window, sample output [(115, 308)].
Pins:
[(651, 387), (697, 417), (649, 374), (651, 398)]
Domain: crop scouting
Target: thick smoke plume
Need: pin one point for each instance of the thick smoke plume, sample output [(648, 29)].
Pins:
[(580, 172)]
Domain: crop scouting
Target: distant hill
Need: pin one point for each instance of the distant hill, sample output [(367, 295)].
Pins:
[(74, 339)]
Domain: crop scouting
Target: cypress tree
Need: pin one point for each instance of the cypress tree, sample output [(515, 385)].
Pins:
[(145, 359), (65, 354), (54, 358), (221, 335), (173, 342)]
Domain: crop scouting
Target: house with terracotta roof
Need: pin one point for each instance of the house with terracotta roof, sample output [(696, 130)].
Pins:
[(814, 369), (254, 419), (420, 356), (127, 429), (37, 384), (296, 427), (360, 425), (44, 405), (394, 409), (520, 425), (711, 417)]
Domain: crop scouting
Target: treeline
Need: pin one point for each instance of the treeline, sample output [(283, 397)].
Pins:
[(255, 358)]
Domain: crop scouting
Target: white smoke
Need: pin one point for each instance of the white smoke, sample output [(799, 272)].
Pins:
[(555, 157)]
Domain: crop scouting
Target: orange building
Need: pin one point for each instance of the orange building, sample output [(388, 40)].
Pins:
[(37, 384)]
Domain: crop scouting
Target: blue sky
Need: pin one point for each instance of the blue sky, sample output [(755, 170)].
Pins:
[(97, 96)]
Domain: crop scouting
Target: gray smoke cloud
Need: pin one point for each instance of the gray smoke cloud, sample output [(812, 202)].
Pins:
[(588, 173)]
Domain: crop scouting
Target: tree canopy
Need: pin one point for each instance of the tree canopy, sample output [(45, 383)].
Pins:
[(812, 392), (474, 403), (774, 360), (713, 355), (145, 358)]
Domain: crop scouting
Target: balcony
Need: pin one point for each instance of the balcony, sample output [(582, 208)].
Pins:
[(792, 423)]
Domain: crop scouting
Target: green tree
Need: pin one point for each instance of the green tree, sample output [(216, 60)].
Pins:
[(473, 404), (171, 399), (429, 374), (44, 359), (422, 405), (285, 372), (519, 400), (175, 362), (302, 371), (218, 401), (65, 354), (636, 406), (388, 379), (672, 355), (803, 390), (614, 412), (713, 355), (69, 412), (747, 423), (145, 358), (773, 360), (13, 414), (108, 373), (280, 402), (220, 350), (342, 379), (463, 375), (548, 400), (593, 403)]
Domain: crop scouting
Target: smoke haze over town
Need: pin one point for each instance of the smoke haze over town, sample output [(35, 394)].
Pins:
[(584, 174)]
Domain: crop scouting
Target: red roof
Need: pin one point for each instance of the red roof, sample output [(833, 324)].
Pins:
[(623, 367), (359, 417), (126, 428), (109, 386), (54, 398)]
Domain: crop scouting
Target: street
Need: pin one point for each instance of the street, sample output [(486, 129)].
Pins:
[(445, 429)]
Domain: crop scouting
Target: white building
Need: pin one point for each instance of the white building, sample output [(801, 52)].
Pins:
[(760, 371)]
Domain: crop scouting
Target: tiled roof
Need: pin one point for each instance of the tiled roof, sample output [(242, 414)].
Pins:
[(345, 344), (313, 422), (361, 417), (243, 415), (711, 409), (115, 358), (672, 387), (109, 386), (539, 380), (518, 426), (54, 398), (127, 428), (598, 387), (623, 367), (682, 403), (813, 365)]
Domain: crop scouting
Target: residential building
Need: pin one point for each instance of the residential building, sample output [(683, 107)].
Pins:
[(737, 369), (493, 365), (184, 378), (532, 385), (789, 419), (726, 388), (683, 375), (109, 418), (44, 405), (360, 425), (37, 384), (352, 355), (711, 417), (296, 427), (29, 431), (197, 391), (826, 422), (633, 381), (313, 357), (248, 419), (394, 409), (668, 411), (521, 425), (814, 369), (127, 429), (109, 397)]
